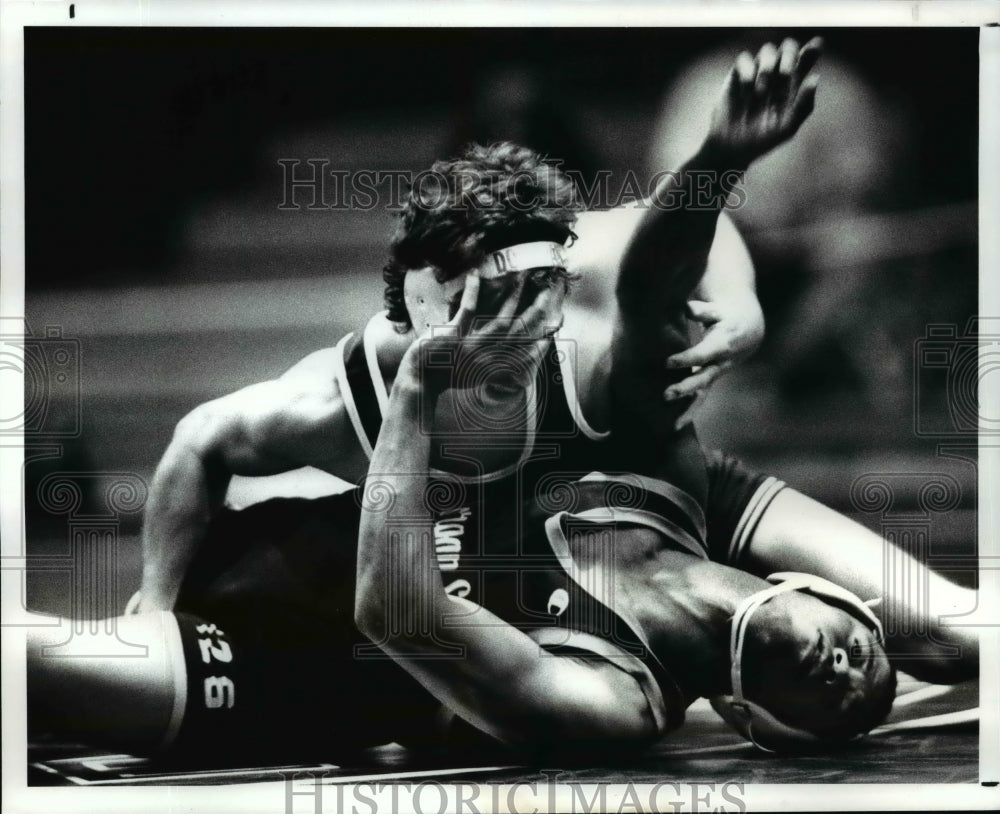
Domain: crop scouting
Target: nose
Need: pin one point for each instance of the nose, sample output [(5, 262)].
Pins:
[(838, 665)]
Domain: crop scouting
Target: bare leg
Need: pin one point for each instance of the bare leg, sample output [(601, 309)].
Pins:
[(796, 533), (113, 702)]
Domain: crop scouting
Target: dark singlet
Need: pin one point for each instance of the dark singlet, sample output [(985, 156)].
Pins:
[(558, 437), (288, 564), (501, 540)]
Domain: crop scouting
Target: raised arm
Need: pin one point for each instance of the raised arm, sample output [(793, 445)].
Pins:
[(763, 104), (264, 429), (486, 671)]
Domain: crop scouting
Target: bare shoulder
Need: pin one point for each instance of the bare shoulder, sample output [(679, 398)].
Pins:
[(319, 363), (603, 235), (390, 344)]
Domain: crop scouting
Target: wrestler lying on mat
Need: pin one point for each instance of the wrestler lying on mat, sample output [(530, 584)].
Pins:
[(771, 529), (583, 625)]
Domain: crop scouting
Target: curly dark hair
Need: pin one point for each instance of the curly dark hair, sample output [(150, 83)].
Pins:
[(488, 198)]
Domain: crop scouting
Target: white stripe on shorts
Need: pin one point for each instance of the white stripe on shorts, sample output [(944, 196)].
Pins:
[(177, 665), (752, 513)]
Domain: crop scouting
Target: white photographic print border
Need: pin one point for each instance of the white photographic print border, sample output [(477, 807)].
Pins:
[(441, 793)]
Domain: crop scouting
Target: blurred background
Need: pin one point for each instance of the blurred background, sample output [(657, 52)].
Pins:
[(162, 270)]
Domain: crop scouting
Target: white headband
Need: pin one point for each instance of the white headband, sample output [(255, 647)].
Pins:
[(523, 256), (737, 709)]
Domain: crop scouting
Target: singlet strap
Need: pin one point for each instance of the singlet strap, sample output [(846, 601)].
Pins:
[(586, 582), (347, 394), (752, 513), (371, 357), (640, 517), (678, 497), (568, 376)]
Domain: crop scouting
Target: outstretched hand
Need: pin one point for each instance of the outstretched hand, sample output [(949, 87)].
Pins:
[(731, 335), (765, 100)]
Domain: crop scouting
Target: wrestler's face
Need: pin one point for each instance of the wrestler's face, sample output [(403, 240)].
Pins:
[(430, 302), (815, 666)]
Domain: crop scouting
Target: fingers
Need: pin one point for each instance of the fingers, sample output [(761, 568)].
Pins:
[(509, 307), (696, 382), (742, 77), (688, 415), (804, 102), (775, 70), (714, 347), (703, 312), (544, 316), (788, 57), (808, 57), (467, 307), (501, 322), (767, 61)]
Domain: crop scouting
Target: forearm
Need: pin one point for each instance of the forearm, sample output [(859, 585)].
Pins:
[(185, 494), (796, 533), (396, 556), (667, 255)]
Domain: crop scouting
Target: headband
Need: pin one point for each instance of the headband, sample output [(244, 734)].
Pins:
[(521, 257), (736, 709)]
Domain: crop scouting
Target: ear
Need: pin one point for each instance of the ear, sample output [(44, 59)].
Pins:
[(425, 299), (874, 603)]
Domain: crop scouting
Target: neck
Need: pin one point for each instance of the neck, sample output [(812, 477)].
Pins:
[(688, 621)]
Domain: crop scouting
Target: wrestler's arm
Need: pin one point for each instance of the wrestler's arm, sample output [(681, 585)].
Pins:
[(796, 533), (271, 427), (486, 671), (725, 303), (762, 105)]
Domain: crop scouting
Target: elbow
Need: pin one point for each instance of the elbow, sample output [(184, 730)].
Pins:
[(369, 613), (364, 620), (194, 458), (198, 431), (205, 438)]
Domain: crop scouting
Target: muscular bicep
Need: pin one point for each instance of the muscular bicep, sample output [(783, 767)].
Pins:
[(500, 680), (279, 425)]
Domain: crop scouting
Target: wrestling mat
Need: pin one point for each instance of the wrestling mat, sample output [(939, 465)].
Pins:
[(932, 736)]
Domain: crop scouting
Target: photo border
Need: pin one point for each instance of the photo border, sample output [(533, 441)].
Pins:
[(15, 16)]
